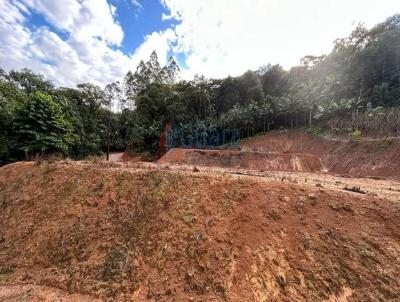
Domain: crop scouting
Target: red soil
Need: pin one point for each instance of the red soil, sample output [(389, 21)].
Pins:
[(244, 160), (87, 231), (368, 157), (301, 152)]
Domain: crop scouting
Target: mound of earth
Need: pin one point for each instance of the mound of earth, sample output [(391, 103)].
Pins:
[(111, 232), (367, 157), (271, 161)]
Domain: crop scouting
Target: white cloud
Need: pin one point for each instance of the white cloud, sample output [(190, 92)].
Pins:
[(230, 36), (87, 55), (14, 38), (158, 41), (217, 38), (137, 4), (83, 19)]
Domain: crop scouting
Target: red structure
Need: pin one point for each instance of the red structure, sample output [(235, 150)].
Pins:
[(163, 139)]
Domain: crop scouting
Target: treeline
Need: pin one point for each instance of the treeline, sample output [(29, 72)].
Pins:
[(359, 79), (38, 118)]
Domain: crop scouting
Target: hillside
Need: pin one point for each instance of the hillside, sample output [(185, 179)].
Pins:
[(298, 151), (367, 157), (84, 231), (268, 161)]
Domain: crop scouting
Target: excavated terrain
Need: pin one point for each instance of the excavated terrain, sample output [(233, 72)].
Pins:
[(367, 157), (271, 161), (297, 151), (87, 231)]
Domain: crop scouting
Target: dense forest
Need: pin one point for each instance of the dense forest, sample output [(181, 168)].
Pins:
[(355, 88)]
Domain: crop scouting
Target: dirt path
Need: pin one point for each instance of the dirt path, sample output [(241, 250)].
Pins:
[(380, 188), (116, 156)]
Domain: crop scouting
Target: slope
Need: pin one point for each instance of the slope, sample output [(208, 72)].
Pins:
[(114, 232)]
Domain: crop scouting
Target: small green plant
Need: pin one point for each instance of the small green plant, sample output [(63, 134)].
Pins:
[(356, 134), (316, 131)]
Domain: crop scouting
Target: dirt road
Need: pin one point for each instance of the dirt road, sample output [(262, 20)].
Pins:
[(116, 156), (378, 187)]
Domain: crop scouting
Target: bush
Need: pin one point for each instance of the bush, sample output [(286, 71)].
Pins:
[(356, 134)]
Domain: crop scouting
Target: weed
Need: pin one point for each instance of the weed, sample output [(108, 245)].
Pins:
[(116, 264), (356, 134), (67, 188), (306, 241), (71, 242), (99, 187), (6, 271), (134, 220), (49, 168), (274, 215), (354, 189)]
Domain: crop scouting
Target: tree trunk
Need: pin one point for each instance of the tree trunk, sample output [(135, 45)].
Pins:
[(310, 118), (264, 124), (109, 136), (108, 149)]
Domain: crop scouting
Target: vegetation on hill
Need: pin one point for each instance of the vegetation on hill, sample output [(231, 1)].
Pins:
[(354, 88)]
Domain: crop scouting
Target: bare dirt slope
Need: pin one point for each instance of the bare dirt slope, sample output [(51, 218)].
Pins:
[(298, 151), (269, 161), (115, 232), (367, 157)]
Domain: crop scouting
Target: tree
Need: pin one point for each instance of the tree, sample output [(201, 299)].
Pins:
[(41, 126), (30, 81)]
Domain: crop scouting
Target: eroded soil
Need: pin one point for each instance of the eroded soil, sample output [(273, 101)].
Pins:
[(81, 231)]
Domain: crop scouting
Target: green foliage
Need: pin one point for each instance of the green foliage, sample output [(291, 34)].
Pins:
[(41, 127), (317, 131), (37, 118), (29, 81), (356, 134)]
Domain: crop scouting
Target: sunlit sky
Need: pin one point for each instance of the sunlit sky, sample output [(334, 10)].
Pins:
[(98, 41)]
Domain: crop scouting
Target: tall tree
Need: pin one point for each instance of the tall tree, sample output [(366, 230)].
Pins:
[(41, 126)]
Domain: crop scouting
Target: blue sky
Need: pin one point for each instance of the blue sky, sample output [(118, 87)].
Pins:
[(98, 41), (139, 20)]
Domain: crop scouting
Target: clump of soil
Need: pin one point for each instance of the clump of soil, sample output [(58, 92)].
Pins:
[(95, 231)]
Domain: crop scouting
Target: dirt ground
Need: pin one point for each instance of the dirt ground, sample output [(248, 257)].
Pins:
[(371, 186), (343, 156), (298, 151), (117, 156), (121, 231), (262, 161)]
